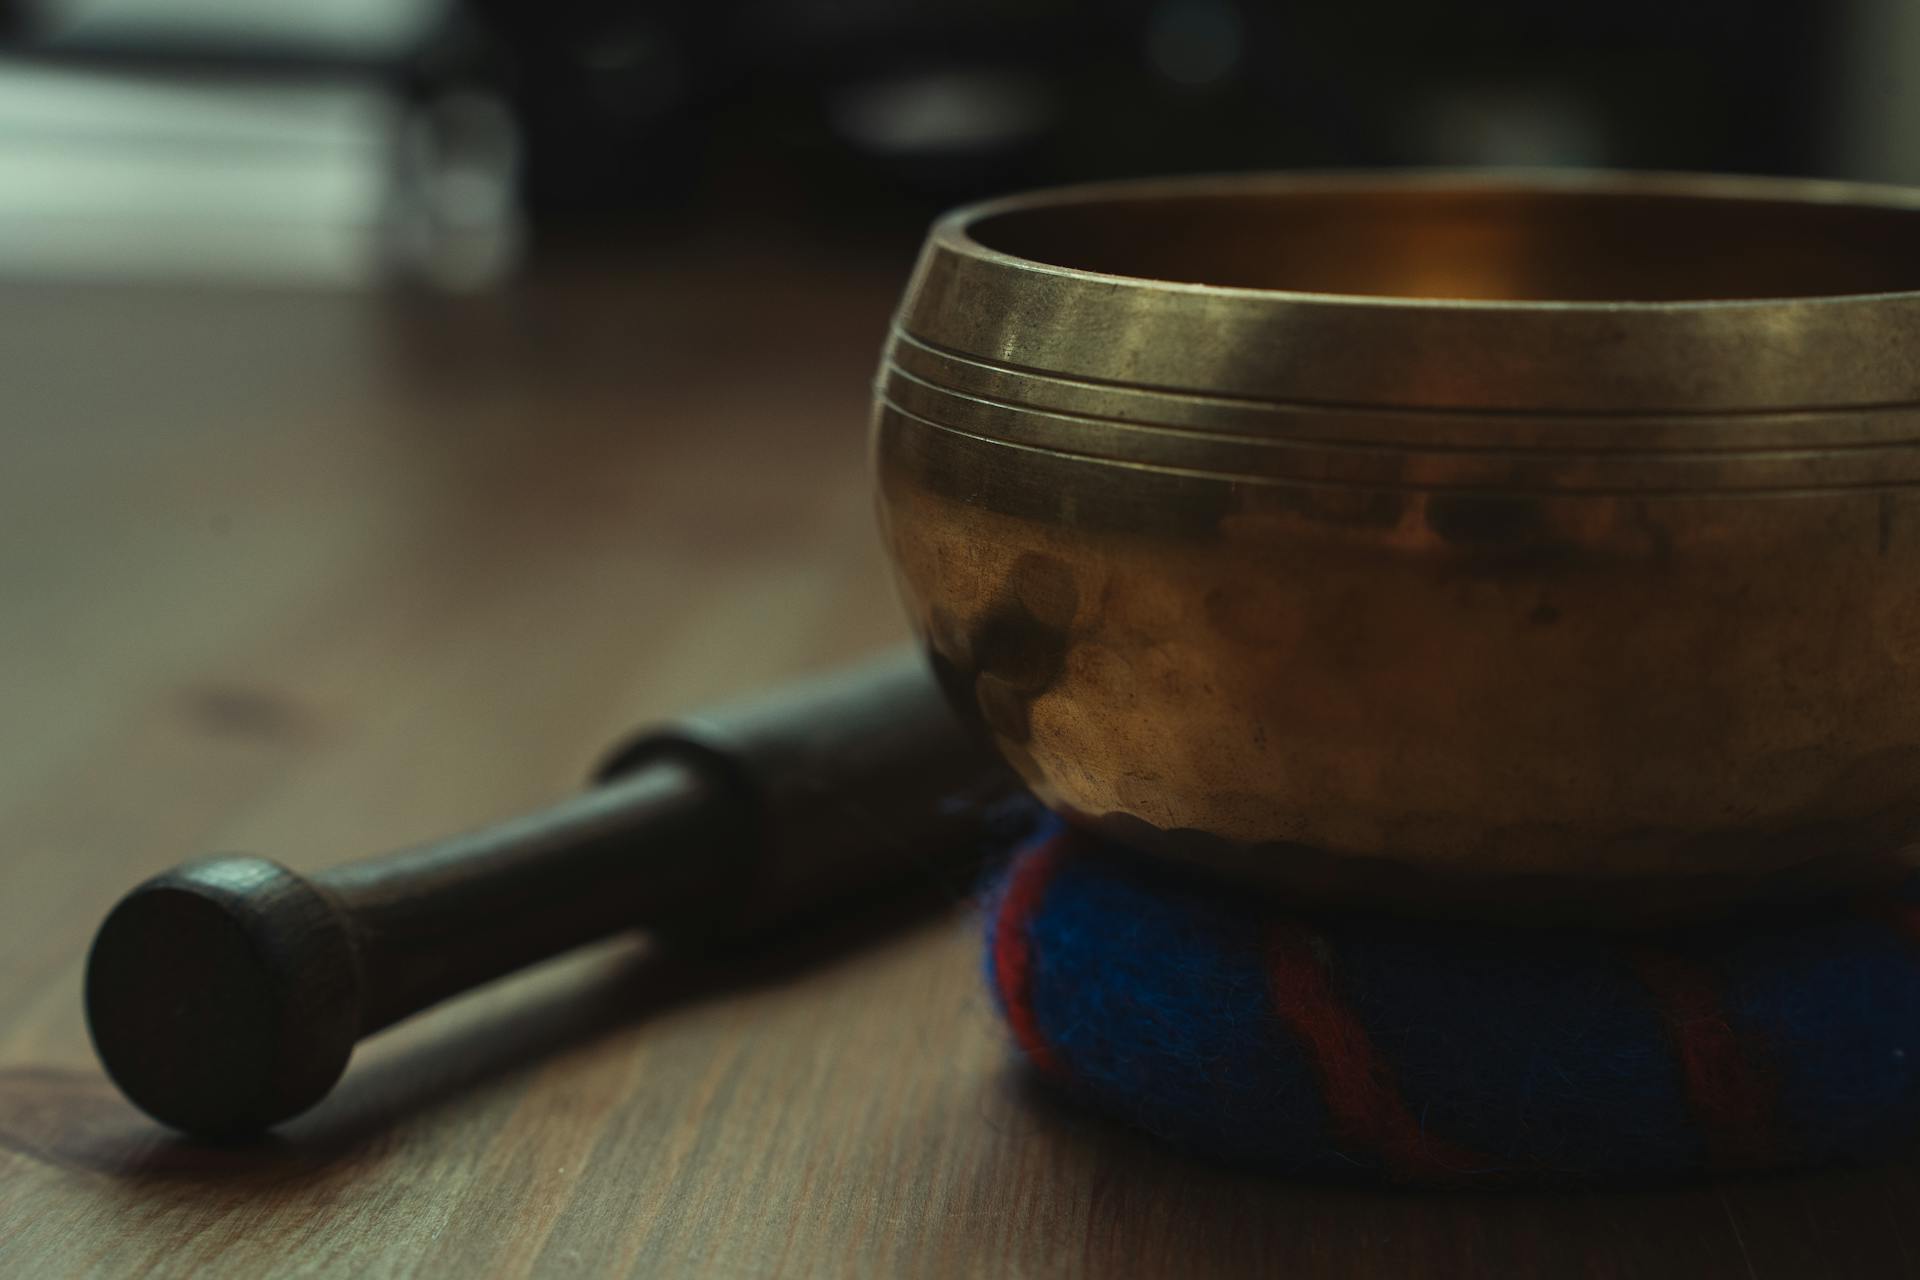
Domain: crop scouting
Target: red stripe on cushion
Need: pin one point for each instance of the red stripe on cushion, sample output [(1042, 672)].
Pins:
[(1727, 1084), (1013, 949), (1358, 1087)]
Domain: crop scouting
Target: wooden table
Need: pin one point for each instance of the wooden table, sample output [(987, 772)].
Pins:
[(316, 575)]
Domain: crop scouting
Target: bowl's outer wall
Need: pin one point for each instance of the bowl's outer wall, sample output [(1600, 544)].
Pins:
[(1643, 660)]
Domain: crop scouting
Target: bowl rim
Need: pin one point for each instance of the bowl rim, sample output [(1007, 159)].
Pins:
[(954, 230)]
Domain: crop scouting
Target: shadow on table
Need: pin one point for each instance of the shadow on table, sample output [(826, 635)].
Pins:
[(77, 1121), (1123, 1204)]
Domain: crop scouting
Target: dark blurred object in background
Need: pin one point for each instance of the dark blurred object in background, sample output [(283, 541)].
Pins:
[(860, 118), (880, 112)]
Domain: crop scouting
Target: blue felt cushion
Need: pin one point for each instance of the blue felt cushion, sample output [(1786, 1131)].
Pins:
[(1431, 1052)]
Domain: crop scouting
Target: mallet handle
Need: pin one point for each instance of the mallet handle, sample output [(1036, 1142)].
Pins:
[(225, 995)]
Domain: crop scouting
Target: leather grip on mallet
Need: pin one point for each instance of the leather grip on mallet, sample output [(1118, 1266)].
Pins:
[(226, 995)]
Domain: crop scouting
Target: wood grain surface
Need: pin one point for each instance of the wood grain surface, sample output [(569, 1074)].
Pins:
[(315, 575)]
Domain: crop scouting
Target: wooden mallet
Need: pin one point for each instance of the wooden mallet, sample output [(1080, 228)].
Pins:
[(226, 995)]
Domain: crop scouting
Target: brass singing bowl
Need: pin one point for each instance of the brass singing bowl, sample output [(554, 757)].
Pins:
[(1476, 543)]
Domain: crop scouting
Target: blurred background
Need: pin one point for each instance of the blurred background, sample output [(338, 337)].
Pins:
[(400, 400), (451, 142), (404, 397)]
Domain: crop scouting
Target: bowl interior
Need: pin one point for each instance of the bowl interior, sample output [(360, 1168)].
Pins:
[(1510, 244)]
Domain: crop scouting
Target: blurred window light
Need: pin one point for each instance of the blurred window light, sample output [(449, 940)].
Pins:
[(339, 29), (1876, 124), (461, 227), (323, 181), (949, 111), (1512, 127)]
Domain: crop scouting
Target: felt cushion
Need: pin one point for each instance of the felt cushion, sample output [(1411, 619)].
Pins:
[(1423, 1051)]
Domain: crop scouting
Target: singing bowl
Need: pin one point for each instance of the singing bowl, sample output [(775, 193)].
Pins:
[(1518, 543)]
